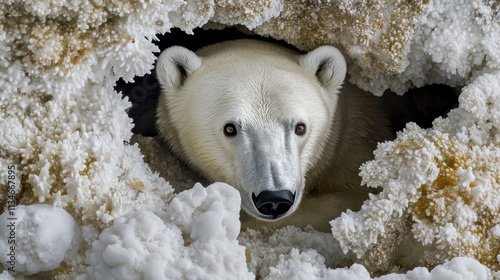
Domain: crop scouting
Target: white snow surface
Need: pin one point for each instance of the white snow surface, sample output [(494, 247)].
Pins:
[(66, 130), (197, 240)]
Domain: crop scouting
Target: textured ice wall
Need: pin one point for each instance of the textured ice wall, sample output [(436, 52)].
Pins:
[(65, 128), (441, 189), (397, 44), (441, 186)]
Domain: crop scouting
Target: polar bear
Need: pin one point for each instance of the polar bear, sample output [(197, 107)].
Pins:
[(275, 124)]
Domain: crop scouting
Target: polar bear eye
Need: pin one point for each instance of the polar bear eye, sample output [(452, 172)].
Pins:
[(300, 129), (230, 130)]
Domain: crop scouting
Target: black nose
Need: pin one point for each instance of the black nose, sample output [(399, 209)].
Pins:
[(273, 203)]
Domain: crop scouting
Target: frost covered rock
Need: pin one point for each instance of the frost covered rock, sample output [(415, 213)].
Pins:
[(61, 122), (36, 238), (441, 195), (193, 14), (140, 245), (397, 44)]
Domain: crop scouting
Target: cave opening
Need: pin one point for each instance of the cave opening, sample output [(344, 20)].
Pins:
[(420, 105)]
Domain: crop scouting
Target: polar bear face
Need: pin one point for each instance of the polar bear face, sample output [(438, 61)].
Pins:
[(251, 114)]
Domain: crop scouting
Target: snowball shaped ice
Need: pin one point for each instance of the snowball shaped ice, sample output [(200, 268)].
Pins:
[(140, 245), (207, 213), (38, 239)]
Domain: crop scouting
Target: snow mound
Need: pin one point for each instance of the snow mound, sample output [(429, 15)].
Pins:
[(36, 238), (197, 240)]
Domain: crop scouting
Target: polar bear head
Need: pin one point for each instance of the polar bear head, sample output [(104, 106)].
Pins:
[(252, 114)]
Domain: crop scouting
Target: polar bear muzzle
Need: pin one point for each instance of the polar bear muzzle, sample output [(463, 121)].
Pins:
[(268, 171)]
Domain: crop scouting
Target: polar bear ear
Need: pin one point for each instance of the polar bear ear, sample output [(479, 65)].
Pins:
[(328, 64), (174, 65)]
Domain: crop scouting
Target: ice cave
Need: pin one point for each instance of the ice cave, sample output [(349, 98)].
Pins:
[(88, 191)]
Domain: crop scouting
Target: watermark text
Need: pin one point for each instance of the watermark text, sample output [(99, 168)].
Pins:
[(11, 218)]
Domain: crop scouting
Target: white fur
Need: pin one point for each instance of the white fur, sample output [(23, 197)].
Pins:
[(265, 90)]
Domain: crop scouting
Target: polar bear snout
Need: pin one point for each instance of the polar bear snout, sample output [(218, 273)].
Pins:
[(268, 172), (274, 203)]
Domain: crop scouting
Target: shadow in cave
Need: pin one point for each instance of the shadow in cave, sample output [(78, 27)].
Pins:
[(419, 105)]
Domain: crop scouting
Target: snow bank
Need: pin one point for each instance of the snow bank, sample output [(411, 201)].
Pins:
[(65, 129)]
